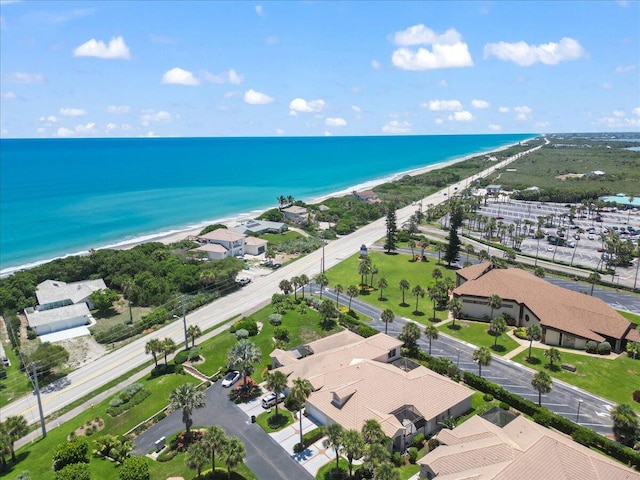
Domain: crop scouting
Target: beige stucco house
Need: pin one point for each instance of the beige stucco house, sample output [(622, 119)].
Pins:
[(222, 243)]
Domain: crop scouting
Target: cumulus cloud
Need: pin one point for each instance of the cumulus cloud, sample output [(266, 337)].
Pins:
[(148, 116), (118, 109), (616, 121), (256, 98), (230, 76), (503, 109), (440, 105), (87, 129), (397, 126), (522, 112), (375, 64), (179, 76), (625, 68), (64, 132), (8, 96), (356, 108), (524, 54), (280, 131), (110, 127), (636, 111), (447, 49), (301, 105), (618, 113), (259, 10), (116, 49), (73, 112), (335, 122), (462, 116), (480, 104), (495, 128), (23, 77), (49, 120)]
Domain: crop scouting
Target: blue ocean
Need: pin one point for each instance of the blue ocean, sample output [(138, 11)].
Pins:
[(65, 196)]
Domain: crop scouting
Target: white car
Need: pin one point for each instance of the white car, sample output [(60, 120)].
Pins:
[(230, 378), (269, 400)]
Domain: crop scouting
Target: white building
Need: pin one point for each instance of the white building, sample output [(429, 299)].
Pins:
[(222, 243)]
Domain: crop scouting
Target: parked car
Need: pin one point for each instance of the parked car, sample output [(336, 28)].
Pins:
[(591, 237), (269, 400), (276, 265), (243, 281), (230, 378)]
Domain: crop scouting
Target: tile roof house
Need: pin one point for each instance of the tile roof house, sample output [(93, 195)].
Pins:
[(296, 214), (567, 318), (368, 196), (520, 450), (258, 227), (354, 380), (222, 243)]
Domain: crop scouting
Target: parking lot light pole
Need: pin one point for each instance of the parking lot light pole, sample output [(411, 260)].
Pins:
[(578, 414)]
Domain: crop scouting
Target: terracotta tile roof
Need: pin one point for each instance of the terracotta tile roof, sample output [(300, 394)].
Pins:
[(633, 335), (255, 241), (556, 307), (473, 271), (210, 247), (223, 234)]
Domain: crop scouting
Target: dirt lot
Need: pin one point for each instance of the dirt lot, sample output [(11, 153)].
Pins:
[(82, 350)]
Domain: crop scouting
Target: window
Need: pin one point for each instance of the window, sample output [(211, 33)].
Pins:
[(526, 317), (392, 353)]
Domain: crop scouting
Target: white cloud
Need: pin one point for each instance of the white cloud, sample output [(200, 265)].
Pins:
[(617, 122), (524, 54), (607, 86), (125, 127), (440, 105), (396, 126), (48, 121), (301, 105), (327, 133), (442, 83), (118, 109), (447, 49), (64, 132), (636, 111), (73, 112), (541, 124), (116, 49), (110, 127), (230, 76), (375, 64), (480, 104), (495, 128), (335, 122), (280, 131), (149, 116), (87, 129), (618, 113), (625, 68), (22, 77), (256, 98), (179, 76), (463, 116), (8, 96), (503, 109), (523, 112), (356, 108), (259, 10)]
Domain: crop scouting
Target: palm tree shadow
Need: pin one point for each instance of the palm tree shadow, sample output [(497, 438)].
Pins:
[(418, 313), (499, 348), (533, 360), (453, 327)]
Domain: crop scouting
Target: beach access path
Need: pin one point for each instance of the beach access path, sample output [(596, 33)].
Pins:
[(110, 367)]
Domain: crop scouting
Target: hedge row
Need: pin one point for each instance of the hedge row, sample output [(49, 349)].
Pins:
[(133, 401), (356, 326), (309, 438), (544, 416)]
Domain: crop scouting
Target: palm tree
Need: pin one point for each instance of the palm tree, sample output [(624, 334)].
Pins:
[(352, 447), (168, 346), (364, 269), (127, 290), (436, 274), (483, 356), (579, 231), (541, 381), (404, 285), (193, 331), (382, 284), (15, 427), (338, 289), (277, 383), (553, 355), (494, 302), (187, 398), (431, 333), (440, 248), (214, 440), (455, 306), (295, 281), (483, 256), (285, 286), (196, 457), (423, 246), (410, 335), (386, 471), (5, 447), (304, 281), (387, 317), (322, 280), (375, 455), (497, 327), (234, 453), (372, 432), (300, 392), (154, 347), (373, 271), (334, 440), (469, 251), (625, 424), (243, 355), (412, 244), (417, 292), (435, 292), (594, 278), (534, 332), (352, 291)]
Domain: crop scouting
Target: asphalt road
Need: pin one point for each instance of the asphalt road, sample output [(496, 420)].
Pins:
[(265, 458), (98, 373)]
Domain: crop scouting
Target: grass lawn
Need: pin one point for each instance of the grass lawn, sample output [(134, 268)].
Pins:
[(615, 380), (303, 328), (37, 457), (278, 238), (117, 316), (632, 317), (325, 472), (477, 334), (393, 268), (270, 423)]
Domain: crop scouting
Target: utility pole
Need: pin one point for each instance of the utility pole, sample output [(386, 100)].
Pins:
[(37, 389), (184, 323)]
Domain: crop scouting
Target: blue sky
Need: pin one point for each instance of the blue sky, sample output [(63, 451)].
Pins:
[(118, 68)]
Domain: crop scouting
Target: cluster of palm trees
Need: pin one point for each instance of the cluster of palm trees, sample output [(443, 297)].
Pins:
[(411, 333), (369, 444), (157, 347), (438, 292), (214, 442), (285, 201), (12, 429)]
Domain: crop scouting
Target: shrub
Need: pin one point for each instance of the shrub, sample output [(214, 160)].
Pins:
[(592, 347), (67, 453), (313, 436), (128, 402), (504, 405), (487, 397), (181, 357), (275, 319), (281, 333), (521, 332), (242, 333), (413, 454), (116, 401), (134, 468), (604, 348), (75, 471), (636, 396), (298, 448), (418, 441), (432, 443), (397, 459), (194, 353)]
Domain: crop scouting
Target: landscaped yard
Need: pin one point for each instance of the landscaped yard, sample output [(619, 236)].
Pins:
[(303, 328), (632, 317), (270, 423), (118, 316), (406, 471), (477, 334), (278, 238), (393, 268), (615, 380)]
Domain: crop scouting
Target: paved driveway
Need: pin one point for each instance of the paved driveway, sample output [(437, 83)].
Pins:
[(265, 458)]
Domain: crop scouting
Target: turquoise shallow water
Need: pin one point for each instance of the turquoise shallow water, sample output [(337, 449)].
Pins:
[(65, 196)]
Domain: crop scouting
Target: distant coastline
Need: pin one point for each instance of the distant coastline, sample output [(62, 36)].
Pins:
[(191, 228)]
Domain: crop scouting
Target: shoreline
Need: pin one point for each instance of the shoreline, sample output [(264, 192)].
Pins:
[(180, 233)]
